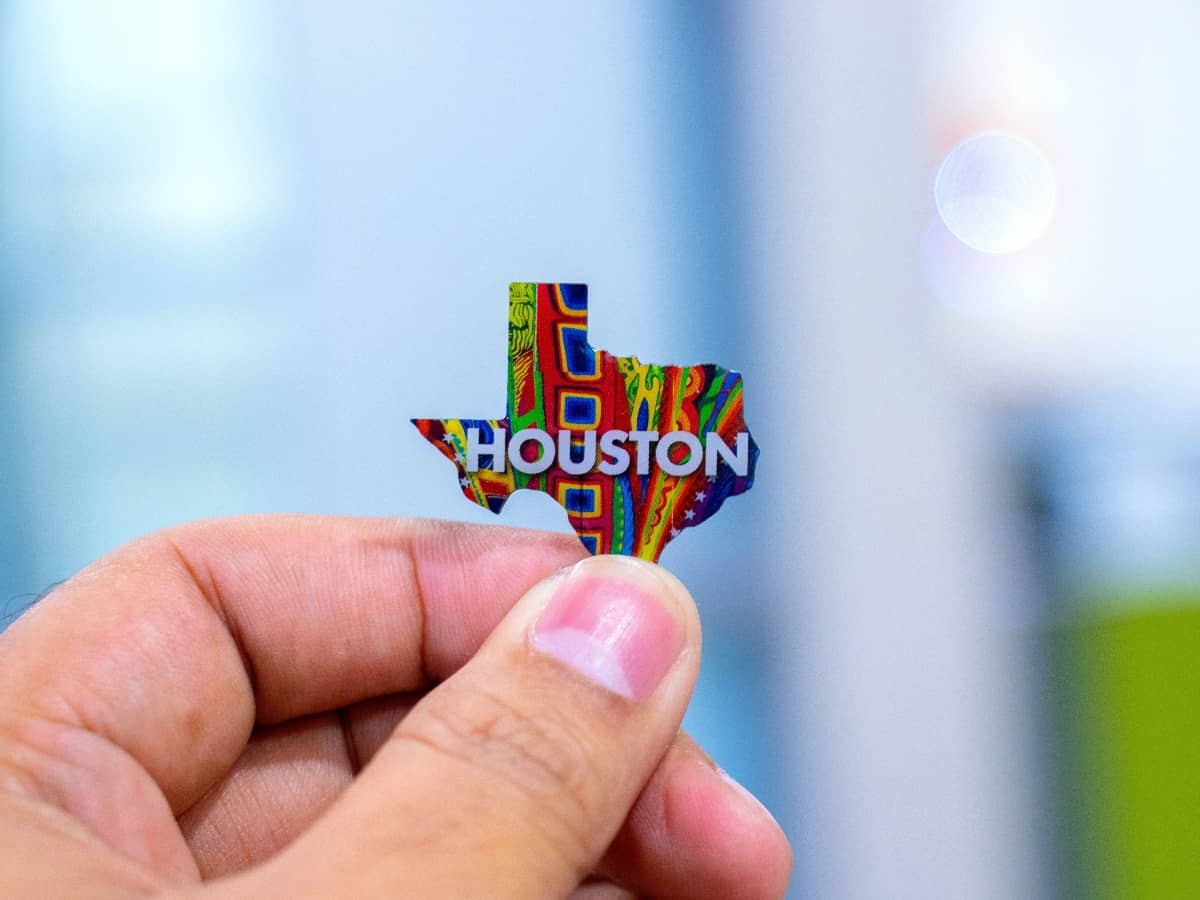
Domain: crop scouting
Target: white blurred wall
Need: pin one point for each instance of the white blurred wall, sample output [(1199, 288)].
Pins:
[(911, 717)]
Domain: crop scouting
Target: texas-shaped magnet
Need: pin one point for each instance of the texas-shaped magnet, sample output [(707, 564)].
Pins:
[(635, 452)]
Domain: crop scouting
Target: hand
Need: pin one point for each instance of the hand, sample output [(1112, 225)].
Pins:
[(329, 707)]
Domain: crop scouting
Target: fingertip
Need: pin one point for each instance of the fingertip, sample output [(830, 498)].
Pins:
[(697, 833), (764, 848), (730, 832), (504, 563)]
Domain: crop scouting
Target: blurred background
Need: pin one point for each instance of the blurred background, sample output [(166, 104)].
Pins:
[(953, 636)]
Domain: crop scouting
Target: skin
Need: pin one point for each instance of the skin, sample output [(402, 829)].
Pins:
[(313, 706)]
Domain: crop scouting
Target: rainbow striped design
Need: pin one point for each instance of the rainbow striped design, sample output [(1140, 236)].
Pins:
[(558, 381)]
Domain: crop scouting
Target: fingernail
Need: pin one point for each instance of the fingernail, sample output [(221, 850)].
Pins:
[(608, 621), (752, 802)]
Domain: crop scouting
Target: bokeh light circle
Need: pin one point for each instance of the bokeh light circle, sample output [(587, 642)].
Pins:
[(995, 192)]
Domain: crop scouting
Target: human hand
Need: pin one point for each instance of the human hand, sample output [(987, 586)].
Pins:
[(200, 703)]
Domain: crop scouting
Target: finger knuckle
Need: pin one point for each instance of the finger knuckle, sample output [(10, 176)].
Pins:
[(541, 753)]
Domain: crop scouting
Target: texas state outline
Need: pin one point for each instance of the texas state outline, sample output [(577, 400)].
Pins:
[(557, 381)]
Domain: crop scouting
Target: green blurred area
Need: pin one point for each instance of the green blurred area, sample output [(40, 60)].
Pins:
[(1131, 745)]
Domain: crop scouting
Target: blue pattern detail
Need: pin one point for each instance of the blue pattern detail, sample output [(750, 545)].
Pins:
[(580, 501)]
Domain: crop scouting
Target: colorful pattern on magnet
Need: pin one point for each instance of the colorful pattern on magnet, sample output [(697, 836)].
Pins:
[(558, 381)]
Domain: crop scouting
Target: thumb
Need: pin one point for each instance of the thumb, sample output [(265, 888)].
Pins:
[(512, 777)]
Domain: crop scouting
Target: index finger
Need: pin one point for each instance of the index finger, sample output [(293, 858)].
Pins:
[(172, 647)]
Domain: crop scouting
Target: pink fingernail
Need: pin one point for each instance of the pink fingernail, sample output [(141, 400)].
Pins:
[(608, 622)]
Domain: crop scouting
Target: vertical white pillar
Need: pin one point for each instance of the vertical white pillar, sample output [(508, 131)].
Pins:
[(912, 738)]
